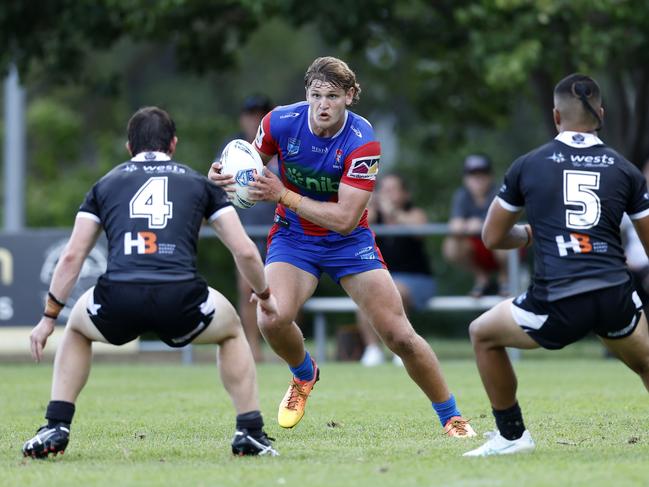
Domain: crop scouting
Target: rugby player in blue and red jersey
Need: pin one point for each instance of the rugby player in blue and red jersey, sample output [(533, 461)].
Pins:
[(574, 190), (328, 161)]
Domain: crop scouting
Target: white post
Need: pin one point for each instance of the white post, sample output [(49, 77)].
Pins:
[(14, 153)]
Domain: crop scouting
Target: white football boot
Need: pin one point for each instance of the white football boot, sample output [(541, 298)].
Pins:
[(498, 445)]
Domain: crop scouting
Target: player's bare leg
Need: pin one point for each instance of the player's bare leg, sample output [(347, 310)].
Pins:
[(490, 333), (74, 354), (291, 287), (376, 295), (238, 374), (634, 350), (248, 315), (373, 352), (235, 361), (71, 369)]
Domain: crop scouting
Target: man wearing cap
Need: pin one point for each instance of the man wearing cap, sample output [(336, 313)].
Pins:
[(463, 246), (253, 109)]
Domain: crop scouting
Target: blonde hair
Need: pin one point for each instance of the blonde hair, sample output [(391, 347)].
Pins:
[(335, 71)]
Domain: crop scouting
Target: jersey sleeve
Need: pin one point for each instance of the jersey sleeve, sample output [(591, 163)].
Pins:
[(362, 166), (90, 206), (638, 204), (510, 196), (264, 141), (217, 202)]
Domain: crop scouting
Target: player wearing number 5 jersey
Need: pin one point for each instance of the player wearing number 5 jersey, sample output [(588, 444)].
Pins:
[(574, 191), (151, 209), (328, 160)]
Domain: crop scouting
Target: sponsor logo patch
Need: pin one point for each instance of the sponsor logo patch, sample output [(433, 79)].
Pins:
[(293, 146), (364, 167), (592, 161)]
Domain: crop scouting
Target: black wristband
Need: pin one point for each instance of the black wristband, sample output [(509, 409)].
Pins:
[(50, 316), (55, 299)]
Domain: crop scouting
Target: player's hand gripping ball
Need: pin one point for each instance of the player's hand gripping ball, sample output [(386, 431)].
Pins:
[(242, 160)]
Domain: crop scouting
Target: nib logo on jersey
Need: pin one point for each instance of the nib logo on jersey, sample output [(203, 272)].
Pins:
[(146, 243), (315, 182)]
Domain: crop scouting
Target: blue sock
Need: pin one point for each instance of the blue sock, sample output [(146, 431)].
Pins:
[(304, 371), (446, 410)]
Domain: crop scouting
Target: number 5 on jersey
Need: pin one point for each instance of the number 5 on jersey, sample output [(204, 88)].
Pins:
[(151, 202)]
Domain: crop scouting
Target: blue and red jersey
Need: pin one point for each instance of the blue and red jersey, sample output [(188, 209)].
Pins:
[(315, 166)]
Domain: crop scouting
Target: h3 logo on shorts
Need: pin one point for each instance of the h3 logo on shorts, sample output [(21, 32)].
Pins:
[(578, 243), (144, 243)]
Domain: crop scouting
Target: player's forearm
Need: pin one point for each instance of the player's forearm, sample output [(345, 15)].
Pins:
[(518, 236), (329, 215), (249, 263), (65, 275)]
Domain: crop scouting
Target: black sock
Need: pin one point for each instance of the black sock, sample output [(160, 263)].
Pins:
[(510, 422), (59, 412), (251, 421)]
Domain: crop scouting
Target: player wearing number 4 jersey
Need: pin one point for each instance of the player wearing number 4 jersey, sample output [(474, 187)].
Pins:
[(151, 209), (575, 191), (328, 161)]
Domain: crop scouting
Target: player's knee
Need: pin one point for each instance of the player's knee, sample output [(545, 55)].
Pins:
[(403, 343), (477, 333), (282, 321)]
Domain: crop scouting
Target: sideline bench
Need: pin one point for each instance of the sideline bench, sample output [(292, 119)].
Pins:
[(320, 306)]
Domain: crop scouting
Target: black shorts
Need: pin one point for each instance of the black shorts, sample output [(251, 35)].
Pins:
[(176, 311), (611, 313)]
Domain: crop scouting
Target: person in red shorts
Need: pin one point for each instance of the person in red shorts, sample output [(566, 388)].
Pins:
[(463, 245)]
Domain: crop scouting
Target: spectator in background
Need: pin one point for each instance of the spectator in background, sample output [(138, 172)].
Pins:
[(636, 256), (252, 111), (463, 245), (405, 257)]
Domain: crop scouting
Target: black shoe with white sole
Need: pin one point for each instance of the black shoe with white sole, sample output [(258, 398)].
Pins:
[(48, 440), (244, 443)]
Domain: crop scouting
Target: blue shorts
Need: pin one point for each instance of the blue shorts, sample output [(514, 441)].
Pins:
[(337, 256)]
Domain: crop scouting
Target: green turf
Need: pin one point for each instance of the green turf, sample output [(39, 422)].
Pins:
[(171, 425)]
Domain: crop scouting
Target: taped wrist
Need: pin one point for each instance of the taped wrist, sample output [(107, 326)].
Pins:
[(290, 199), (53, 306)]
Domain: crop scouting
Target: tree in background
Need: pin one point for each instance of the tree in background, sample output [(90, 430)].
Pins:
[(452, 75)]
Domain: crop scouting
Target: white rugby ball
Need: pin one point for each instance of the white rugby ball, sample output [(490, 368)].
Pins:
[(242, 160)]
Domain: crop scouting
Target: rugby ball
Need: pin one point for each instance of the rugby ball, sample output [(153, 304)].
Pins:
[(242, 160)]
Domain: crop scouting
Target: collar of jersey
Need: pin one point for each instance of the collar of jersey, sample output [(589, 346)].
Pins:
[(589, 140), (334, 135), (142, 157)]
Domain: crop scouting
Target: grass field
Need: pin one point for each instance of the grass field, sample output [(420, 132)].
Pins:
[(171, 425)]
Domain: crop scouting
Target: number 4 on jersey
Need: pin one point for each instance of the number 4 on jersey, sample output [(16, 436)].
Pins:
[(151, 202)]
